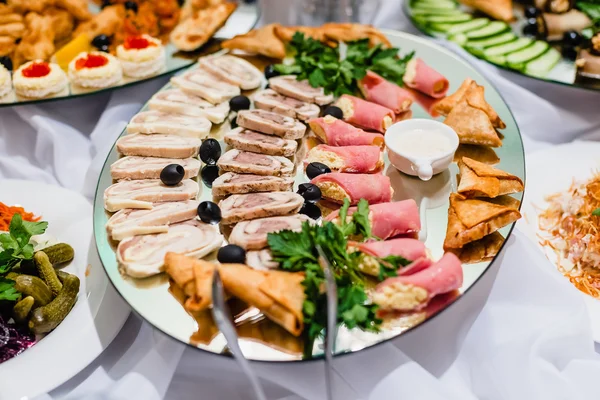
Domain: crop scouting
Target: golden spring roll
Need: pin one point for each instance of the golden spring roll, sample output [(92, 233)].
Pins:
[(194, 277)]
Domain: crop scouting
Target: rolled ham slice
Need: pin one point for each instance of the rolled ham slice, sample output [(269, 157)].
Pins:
[(233, 70), (337, 186), (271, 123), (210, 87), (413, 292), (425, 79), (179, 102), (245, 162), (335, 132), (378, 90), (165, 146), (247, 140), (244, 207), (150, 122), (365, 114), (270, 100), (389, 219), (288, 85), (411, 249), (143, 256), (131, 222), (141, 194), (252, 235), (232, 183), (135, 167), (356, 159)]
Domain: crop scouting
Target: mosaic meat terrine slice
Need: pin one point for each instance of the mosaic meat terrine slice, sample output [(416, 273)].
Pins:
[(252, 235), (270, 100), (179, 102), (271, 123), (135, 167), (151, 122), (164, 146), (143, 193), (244, 207), (288, 85), (232, 183), (247, 140), (246, 162), (210, 87), (233, 70)]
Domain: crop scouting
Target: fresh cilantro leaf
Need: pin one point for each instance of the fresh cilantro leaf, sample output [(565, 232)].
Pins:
[(317, 78), (284, 69), (596, 212), (22, 231), (389, 266), (8, 242), (361, 220), (7, 290)]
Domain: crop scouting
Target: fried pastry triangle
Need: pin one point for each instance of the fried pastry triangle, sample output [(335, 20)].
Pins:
[(498, 9), (346, 32), (480, 250), (482, 154), (193, 32), (258, 41), (286, 33), (445, 105), (472, 125), (481, 180)]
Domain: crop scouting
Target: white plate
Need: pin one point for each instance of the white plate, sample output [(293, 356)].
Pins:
[(551, 171), (98, 314)]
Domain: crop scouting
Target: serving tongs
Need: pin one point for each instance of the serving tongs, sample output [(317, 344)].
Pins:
[(222, 317)]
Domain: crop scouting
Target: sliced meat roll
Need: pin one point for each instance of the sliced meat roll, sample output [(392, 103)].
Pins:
[(202, 83), (271, 123), (252, 235), (337, 186), (357, 159), (261, 260), (135, 167), (270, 100), (158, 146), (244, 207), (150, 122), (141, 194), (131, 222), (335, 132), (231, 183), (365, 114), (178, 102), (233, 70), (143, 256), (245, 162), (288, 85), (247, 140)]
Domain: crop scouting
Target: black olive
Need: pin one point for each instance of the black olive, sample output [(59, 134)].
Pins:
[(100, 40), (311, 210), (180, 3), (7, 62), (209, 173), (310, 192), (233, 123), (334, 112), (105, 49), (131, 5), (210, 151), (531, 28), (270, 71), (231, 254), (572, 38), (532, 12), (570, 53), (315, 169), (209, 212), (106, 3), (238, 103), (172, 174)]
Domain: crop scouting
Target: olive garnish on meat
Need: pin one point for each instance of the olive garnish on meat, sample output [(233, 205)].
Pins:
[(310, 192), (572, 38), (311, 210), (209, 212), (172, 174), (131, 5), (334, 111), (210, 151), (7, 62), (106, 3), (238, 103), (270, 71), (535, 27), (569, 52), (209, 173), (231, 254), (233, 123), (315, 169), (100, 41), (532, 12)]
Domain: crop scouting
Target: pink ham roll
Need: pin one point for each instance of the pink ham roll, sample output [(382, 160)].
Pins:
[(413, 292), (356, 159), (335, 132), (390, 219), (385, 93), (411, 249), (337, 186), (365, 114), (425, 79)]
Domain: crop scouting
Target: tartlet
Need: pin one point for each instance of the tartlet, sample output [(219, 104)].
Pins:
[(37, 79), (5, 81), (141, 56), (95, 70)]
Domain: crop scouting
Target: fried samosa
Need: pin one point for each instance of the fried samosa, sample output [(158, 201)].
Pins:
[(498, 9), (480, 250), (481, 180), (193, 32), (262, 41), (472, 125), (286, 33), (346, 32), (483, 154)]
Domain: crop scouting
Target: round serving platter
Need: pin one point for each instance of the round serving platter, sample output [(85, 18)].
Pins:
[(560, 69), (151, 298)]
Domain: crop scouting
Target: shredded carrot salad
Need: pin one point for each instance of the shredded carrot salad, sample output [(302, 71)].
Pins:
[(573, 232), (7, 212)]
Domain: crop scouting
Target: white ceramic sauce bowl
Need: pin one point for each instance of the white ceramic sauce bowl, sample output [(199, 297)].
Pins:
[(413, 164)]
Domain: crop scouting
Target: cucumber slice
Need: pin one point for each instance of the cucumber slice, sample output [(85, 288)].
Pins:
[(435, 4), (491, 29), (519, 58), (499, 60), (478, 46), (427, 12), (476, 23), (543, 64), (460, 39), (507, 48), (449, 19)]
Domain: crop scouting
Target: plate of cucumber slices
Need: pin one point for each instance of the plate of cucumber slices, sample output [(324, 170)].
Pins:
[(531, 39)]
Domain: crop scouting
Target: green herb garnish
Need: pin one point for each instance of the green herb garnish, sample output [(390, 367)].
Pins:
[(596, 212)]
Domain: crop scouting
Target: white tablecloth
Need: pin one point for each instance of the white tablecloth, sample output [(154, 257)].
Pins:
[(531, 340)]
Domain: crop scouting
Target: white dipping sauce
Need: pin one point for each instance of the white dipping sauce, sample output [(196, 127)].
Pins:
[(422, 143)]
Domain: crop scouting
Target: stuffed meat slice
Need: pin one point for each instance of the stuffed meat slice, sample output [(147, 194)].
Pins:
[(410, 249), (270, 100), (288, 85), (252, 235), (245, 162), (150, 122), (132, 222), (179, 102), (385, 93), (141, 194), (232, 183), (335, 132), (135, 167), (210, 87), (244, 207), (271, 123), (143, 256), (356, 159), (164, 146), (261, 260), (337, 186), (233, 70), (365, 114), (247, 140), (425, 79)]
